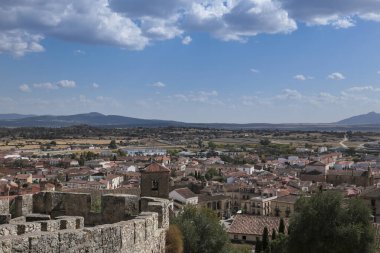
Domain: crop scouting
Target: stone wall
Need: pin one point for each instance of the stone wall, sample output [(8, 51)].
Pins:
[(163, 184), (125, 224), (4, 206), (67, 234)]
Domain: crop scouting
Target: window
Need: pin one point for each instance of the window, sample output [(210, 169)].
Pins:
[(236, 237), (154, 185), (244, 238)]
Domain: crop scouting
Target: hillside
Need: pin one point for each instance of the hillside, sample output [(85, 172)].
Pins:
[(371, 118)]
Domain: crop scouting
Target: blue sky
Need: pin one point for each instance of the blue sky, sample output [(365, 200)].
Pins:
[(196, 61)]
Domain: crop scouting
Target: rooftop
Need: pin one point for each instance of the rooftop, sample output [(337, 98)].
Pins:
[(254, 225), (155, 167)]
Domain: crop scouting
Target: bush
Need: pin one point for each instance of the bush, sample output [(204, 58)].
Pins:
[(174, 240)]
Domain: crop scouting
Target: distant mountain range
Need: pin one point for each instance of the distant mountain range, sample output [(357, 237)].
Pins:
[(366, 122), (13, 116), (371, 118)]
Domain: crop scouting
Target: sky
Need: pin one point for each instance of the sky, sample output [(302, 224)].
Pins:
[(230, 61)]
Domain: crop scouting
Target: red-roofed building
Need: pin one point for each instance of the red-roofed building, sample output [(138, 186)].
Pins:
[(155, 181)]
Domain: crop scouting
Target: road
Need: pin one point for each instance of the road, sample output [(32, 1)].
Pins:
[(343, 141)]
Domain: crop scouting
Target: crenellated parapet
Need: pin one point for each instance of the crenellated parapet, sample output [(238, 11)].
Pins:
[(56, 222)]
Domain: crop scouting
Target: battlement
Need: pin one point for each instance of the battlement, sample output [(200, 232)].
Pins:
[(64, 222)]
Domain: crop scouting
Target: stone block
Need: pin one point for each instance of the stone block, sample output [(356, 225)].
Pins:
[(5, 218), (6, 245), (20, 244), (67, 223), (36, 217), (50, 225), (111, 238), (23, 205), (127, 230), (28, 227), (44, 243), (119, 207), (76, 222), (72, 241), (39, 203), (93, 237), (151, 223), (4, 206), (139, 231), (77, 204), (7, 230), (18, 220), (160, 206)]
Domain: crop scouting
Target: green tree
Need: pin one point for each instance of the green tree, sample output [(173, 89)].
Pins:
[(326, 223), (211, 145), (351, 151), (273, 234), (281, 228), (259, 245), (279, 245), (112, 145), (265, 142), (201, 231), (174, 240), (265, 241), (212, 172)]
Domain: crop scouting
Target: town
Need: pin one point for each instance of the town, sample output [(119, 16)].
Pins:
[(250, 179)]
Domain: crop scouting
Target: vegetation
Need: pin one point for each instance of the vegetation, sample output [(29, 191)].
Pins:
[(202, 232), (265, 241), (112, 145), (174, 240), (327, 223), (281, 228), (265, 142), (273, 234), (211, 173)]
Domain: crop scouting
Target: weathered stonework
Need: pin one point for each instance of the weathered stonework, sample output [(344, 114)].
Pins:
[(138, 226), (23, 205), (4, 206)]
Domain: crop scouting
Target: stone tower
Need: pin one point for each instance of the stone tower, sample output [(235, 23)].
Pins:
[(155, 181)]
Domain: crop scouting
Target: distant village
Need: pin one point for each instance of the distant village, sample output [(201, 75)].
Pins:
[(247, 190)]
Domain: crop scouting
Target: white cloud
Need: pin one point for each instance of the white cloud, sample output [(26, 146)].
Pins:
[(343, 23), (135, 24), (79, 52), (187, 40), (301, 77), (289, 94), (378, 72), (25, 23), (95, 85), (54, 86), (19, 42), (238, 20), (207, 97), (158, 85), (47, 86), (338, 13), (254, 70), (336, 76), (66, 84), (364, 88), (24, 88)]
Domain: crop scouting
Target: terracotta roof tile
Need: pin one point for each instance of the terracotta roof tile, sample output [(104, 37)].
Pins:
[(186, 193), (155, 167), (254, 225)]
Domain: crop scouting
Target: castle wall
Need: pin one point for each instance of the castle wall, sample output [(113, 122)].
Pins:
[(128, 224), (138, 235)]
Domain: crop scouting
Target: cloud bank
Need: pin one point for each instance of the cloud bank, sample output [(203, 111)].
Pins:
[(135, 24)]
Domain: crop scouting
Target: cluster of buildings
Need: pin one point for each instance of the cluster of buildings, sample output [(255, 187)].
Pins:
[(247, 197)]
